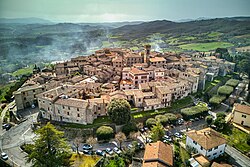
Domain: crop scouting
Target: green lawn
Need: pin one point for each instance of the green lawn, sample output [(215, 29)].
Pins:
[(174, 106), (203, 47), (238, 139), (84, 160), (214, 34), (184, 155), (23, 71)]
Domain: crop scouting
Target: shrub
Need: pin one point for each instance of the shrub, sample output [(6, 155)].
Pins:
[(162, 119), (104, 133), (217, 99), (130, 127), (150, 122), (225, 90), (194, 111), (172, 118), (209, 119), (221, 115), (232, 82)]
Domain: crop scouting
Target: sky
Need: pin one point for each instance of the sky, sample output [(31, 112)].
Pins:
[(122, 10)]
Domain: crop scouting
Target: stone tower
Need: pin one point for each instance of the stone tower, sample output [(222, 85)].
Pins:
[(147, 53)]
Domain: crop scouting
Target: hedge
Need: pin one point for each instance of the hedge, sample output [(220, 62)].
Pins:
[(150, 122), (104, 133), (172, 118), (217, 99), (162, 119), (194, 111), (225, 90), (232, 82)]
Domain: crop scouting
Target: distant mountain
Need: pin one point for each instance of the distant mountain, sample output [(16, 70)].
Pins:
[(113, 24), (233, 26), (31, 20)]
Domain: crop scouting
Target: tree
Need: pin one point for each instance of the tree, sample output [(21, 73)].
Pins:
[(209, 119), (157, 132), (130, 127), (150, 122), (104, 133), (91, 141), (221, 115), (120, 137), (119, 111), (77, 141), (220, 123), (162, 119), (50, 148), (172, 118)]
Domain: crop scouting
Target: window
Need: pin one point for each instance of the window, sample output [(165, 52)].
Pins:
[(215, 147), (34, 96), (195, 142), (67, 113), (69, 108), (77, 109), (214, 153), (210, 150), (244, 116), (78, 115), (58, 112), (34, 90), (201, 148), (24, 98), (208, 156), (63, 107)]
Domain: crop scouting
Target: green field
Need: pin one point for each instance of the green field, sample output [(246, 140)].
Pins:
[(203, 47), (214, 34), (23, 71)]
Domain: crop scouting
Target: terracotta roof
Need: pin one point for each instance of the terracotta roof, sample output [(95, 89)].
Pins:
[(215, 164), (203, 161), (157, 59), (207, 138), (163, 89), (242, 108), (153, 164), (72, 102), (127, 82), (136, 71), (152, 102), (158, 152)]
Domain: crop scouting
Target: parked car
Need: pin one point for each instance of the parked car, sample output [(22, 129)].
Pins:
[(8, 126), (166, 138), (178, 135), (87, 147), (4, 156), (130, 146), (117, 150), (109, 151), (140, 145), (100, 152), (180, 121), (148, 140), (192, 120), (145, 128), (88, 152), (142, 130)]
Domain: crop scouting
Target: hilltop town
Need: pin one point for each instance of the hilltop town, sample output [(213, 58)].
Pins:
[(78, 91), (185, 87)]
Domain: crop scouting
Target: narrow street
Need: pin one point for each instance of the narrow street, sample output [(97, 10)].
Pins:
[(238, 157)]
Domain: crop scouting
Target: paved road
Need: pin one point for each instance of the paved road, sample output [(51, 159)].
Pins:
[(239, 158), (16, 136), (3, 115)]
